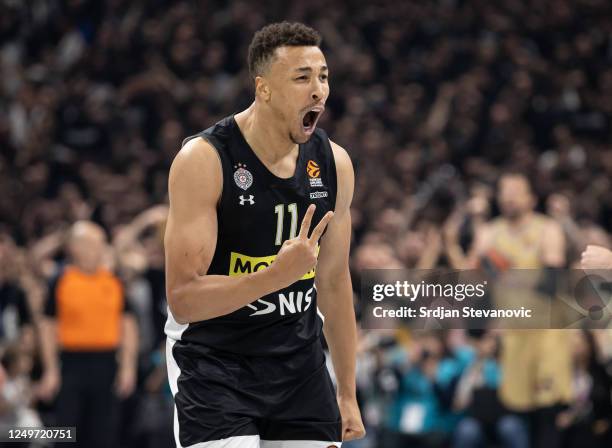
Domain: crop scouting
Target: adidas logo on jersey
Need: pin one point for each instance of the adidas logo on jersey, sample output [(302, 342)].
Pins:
[(291, 303)]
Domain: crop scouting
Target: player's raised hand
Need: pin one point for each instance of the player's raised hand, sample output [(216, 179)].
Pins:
[(297, 256), (316, 234), (596, 257)]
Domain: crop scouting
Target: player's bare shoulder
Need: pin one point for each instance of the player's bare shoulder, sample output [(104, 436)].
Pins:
[(546, 226), (545, 221), (345, 175), (342, 159), (482, 242), (196, 172)]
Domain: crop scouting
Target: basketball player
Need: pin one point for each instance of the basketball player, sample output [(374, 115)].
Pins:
[(536, 364), (252, 254)]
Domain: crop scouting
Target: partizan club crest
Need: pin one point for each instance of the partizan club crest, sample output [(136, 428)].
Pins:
[(243, 177)]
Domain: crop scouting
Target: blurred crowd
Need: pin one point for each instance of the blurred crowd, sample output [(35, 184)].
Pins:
[(434, 101)]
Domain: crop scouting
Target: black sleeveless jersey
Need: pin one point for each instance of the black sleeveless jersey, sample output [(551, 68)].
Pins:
[(257, 212)]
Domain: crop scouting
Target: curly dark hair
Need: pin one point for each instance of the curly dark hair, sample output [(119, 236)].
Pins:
[(275, 35)]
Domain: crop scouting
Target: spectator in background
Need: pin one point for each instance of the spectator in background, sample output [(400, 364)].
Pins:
[(138, 246), (420, 414), (16, 399), (88, 341), (587, 422), (486, 420), (140, 261), (15, 315), (536, 364)]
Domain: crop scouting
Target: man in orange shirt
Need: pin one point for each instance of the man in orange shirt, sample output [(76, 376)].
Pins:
[(88, 340)]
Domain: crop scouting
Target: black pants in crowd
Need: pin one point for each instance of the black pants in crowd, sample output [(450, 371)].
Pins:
[(393, 439), (86, 398)]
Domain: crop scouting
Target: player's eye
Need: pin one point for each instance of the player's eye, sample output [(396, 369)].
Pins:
[(301, 78), (324, 77)]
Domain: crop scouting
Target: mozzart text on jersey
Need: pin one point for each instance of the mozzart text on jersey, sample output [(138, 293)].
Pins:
[(289, 302)]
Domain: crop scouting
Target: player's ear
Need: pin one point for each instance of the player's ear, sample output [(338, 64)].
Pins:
[(262, 88)]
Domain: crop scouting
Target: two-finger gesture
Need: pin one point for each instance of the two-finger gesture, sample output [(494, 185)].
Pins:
[(298, 255)]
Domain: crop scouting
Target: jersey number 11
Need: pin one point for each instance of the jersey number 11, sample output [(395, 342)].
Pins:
[(280, 218)]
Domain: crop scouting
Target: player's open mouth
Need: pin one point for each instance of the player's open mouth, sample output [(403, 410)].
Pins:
[(310, 118)]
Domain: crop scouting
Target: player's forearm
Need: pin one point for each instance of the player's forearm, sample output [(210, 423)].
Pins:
[(574, 235), (429, 258), (456, 257), (48, 344), (128, 351), (340, 331), (209, 296)]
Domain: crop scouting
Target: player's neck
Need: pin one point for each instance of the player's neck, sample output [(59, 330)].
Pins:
[(84, 268), (265, 139), (519, 221)]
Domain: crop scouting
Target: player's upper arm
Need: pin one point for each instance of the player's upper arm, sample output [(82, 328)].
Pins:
[(480, 245), (345, 180), (553, 245), (194, 187), (335, 244)]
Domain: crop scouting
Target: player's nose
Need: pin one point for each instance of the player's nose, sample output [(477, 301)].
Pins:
[(318, 92)]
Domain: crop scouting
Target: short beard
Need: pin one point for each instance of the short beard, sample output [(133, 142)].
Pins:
[(513, 215)]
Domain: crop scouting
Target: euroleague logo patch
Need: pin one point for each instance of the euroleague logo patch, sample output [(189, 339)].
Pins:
[(243, 177), (313, 169), (314, 174)]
